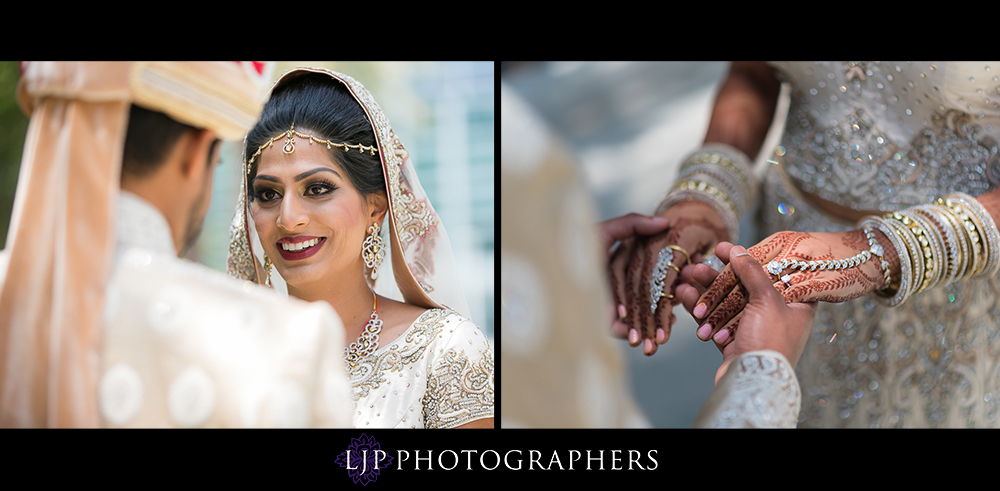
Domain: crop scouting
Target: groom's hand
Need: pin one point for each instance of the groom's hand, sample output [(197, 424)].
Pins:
[(767, 322)]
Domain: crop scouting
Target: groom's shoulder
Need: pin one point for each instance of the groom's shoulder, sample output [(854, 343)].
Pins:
[(141, 274)]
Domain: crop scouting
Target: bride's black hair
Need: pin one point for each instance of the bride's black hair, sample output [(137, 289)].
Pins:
[(322, 107)]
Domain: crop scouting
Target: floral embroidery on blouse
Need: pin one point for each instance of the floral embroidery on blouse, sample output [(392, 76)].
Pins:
[(459, 391), (446, 364), (370, 372)]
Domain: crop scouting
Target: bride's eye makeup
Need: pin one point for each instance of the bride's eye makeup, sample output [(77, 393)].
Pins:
[(319, 188), (264, 194)]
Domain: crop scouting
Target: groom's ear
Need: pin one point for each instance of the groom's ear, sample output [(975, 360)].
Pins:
[(200, 151)]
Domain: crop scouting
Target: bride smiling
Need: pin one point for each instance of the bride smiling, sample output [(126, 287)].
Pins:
[(316, 206)]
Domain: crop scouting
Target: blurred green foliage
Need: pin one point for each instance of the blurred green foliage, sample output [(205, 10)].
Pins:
[(13, 126)]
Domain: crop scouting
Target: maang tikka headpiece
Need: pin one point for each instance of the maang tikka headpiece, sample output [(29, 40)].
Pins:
[(290, 145)]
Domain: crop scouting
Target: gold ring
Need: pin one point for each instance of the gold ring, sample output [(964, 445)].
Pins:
[(668, 296), (674, 267), (682, 251)]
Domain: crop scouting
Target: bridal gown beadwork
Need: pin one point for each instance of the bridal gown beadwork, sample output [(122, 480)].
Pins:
[(438, 374), (880, 137)]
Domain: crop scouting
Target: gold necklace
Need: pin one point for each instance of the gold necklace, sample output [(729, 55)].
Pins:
[(367, 342)]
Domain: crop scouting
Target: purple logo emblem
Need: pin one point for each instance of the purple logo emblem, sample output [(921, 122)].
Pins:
[(363, 459)]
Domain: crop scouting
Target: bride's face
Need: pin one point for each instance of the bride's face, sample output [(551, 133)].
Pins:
[(310, 219)]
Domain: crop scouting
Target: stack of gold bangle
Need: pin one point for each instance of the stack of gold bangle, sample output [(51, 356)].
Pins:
[(953, 239), (720, 176)]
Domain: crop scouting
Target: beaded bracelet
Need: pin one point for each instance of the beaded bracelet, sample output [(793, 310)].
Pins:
[(987, 233), (926, 249), (913, 251), (776, 267), (938, 246), (967, 227), (876, 249), (964, 259), (953, 239), (950, 244), (720, 176), (709, 194), (896, 291), (722, 180)]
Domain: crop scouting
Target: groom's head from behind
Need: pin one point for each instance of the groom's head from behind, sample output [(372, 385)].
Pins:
[(171, 165)]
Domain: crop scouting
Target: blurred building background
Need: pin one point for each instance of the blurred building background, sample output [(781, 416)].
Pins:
[(441, 111), (630, 124)]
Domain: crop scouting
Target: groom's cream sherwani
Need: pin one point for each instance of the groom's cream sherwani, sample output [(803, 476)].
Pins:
[(185, 346)]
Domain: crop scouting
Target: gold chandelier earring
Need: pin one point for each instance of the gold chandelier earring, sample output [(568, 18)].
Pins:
[(371, 250), (267, 270)]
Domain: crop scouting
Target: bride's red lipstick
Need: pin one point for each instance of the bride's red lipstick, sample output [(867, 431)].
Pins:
[(304, 253)]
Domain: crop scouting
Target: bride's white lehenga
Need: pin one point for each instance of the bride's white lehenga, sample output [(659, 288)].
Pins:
[(437, 374), (883, 136)]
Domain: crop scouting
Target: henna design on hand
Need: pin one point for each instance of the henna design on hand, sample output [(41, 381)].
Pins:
[(727, 280), (634, 264), (729, 308), (725, 298), (644, 279), (846, 285), (613, 276), (640, 254), (679, 224)]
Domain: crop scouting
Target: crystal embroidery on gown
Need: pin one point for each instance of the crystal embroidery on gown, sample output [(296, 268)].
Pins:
[(884, 136), (438, 374)]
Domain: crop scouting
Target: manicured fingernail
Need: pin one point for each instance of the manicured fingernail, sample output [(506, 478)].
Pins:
[(700, 310), (621, 311), (648, 348), (704, 332), (661, 337), (721, 336), (633, 337), (738, 251)]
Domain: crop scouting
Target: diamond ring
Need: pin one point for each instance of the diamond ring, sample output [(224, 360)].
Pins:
[(713, 262)]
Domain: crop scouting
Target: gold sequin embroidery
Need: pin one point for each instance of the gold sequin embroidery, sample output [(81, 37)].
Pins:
[(370, 372)]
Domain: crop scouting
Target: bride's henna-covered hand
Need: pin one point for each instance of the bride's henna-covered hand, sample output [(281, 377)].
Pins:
[(625, 228), (719, 309), (694, 227)]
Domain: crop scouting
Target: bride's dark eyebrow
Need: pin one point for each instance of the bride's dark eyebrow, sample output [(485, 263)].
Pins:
[(318, 169), (300, 176)]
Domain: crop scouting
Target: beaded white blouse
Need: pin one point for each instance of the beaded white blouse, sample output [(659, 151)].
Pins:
[(438, 374)]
